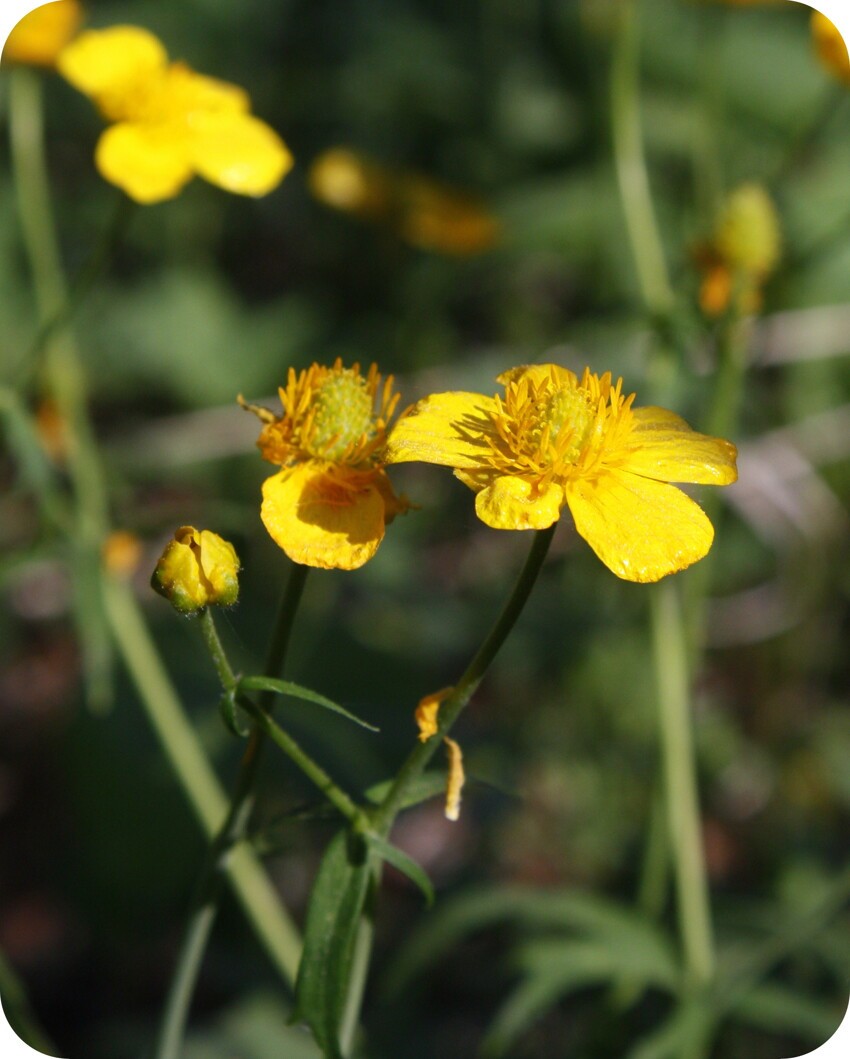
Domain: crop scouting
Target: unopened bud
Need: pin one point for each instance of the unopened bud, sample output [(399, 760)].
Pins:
[(197, 569)]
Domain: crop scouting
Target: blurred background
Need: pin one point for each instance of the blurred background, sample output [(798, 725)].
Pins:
[(497, 115)]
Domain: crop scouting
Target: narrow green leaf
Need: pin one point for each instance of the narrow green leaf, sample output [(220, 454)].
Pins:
[(296, 691), (778, 1009), (428, 785), (336, 907), (406, 865)]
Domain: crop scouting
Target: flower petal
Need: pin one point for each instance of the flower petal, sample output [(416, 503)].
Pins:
[(103, 63), (641, 529), (445, 428), (43, 33), (662, 446), (188, 93), (330, 520), (150, 163), (515, 504), (238, 152), (537, 373)]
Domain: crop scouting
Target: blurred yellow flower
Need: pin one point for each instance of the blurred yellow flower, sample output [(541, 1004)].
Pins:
[(329, 504), (197, 569), (554, 440), (43, 33), (423, 212), (741, 253), (169, 123), (830, 47), (121, 553)]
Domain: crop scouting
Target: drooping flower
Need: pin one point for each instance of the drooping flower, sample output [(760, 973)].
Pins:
[(830, 47), (421, 211), (197, 569), (42, 33), (554, 440), (329, 504), (741, 253), (169, 123)]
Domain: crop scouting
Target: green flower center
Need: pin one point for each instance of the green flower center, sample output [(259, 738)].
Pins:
[(343, 414), (566, 412)]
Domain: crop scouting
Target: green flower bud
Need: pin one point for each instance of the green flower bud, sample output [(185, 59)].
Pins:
[(197, 569)]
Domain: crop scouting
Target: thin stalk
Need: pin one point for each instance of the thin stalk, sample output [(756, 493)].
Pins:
[(670, 650), (250, 883), (453, 705), (631, 168), (227, 840)]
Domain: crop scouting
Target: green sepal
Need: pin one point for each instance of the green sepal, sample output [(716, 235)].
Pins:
[(296, 691)]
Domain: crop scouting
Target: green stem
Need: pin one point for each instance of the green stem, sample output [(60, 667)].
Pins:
[(228, 838), (453, 705), (632, 172), (250, 883), (680, 782)]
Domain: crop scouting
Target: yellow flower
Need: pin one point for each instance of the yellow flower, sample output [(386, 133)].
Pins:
[(423, 212), (554, 440), (169, 123), (743, 250), (830, 47), (43, 33), (197, 569), (329, 504)]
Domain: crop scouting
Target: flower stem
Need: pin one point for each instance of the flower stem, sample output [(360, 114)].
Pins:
[(227, 839), (453, 705), (680, 782), (632, 173)]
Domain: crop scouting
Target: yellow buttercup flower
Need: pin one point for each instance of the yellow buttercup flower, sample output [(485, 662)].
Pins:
[(169, 123), (329, 504), (40, 35), (830, 47), (197, 569), (741, 253), (421, 211), (554, 440)]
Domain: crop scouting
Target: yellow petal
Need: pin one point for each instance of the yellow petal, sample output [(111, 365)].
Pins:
[(43, 33), (188, 93), (664, 447), (537, 373), (238, 152), (456, 779), (150, 163), (445, 428), (333, 520), (641, 529), (108, 64), (830, 46), (427, 713), (515, 504)]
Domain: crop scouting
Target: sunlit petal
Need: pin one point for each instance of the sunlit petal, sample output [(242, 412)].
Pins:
[(149, 164), (445, 428), (515, 504), (664, 447), (238, 152), (641, 529)]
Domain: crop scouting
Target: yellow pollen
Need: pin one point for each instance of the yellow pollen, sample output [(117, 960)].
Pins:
[(343, 414)]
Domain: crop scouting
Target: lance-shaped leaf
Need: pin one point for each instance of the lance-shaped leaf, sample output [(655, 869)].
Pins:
[(406, 865), (333, 919), (296, 691)]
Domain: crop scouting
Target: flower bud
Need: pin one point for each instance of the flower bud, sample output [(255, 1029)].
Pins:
[(197, 569)]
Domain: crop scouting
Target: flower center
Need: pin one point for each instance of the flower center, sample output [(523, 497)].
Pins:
[(343, 414), (569, 418)]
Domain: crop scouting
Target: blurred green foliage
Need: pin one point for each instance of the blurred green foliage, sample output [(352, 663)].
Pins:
[(210, 295)]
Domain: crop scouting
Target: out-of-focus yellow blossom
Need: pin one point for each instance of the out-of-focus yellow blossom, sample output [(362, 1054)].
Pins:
[(423, 212), (40, 35), (121, 553), (742, 252), (329, 504), (169, 123), (830, 47), (555, 440), (427, 714), (197, 569)]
